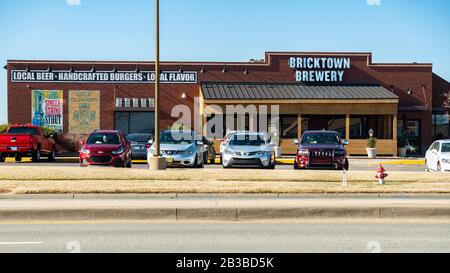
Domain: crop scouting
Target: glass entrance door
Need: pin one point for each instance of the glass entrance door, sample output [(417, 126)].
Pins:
[(411, 130)]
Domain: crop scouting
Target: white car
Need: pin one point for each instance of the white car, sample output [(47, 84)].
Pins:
[(437, 157), (180, 148), (249, 149)]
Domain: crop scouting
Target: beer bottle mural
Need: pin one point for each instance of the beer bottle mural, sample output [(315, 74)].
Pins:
[(47, 109)]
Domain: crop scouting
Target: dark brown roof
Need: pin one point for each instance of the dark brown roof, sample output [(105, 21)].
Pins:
[(282, 91)]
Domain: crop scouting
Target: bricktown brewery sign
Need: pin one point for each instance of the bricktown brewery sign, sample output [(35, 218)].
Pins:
[(101, 77), (321, 69)]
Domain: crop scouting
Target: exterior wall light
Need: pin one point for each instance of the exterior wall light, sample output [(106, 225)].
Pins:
[(184, 96), (224, 69), (93, 69), (410, 91), (180, 70), (202, 70), (246, 71), (371, 132)]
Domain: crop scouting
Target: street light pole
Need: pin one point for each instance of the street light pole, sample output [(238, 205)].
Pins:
[(157, 162), (156, 137)]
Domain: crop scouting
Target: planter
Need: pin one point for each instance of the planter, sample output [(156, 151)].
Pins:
[(371, 152), (402, 152)]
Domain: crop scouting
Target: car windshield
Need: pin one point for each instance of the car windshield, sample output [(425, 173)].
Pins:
[(98, 138), (320, 138), (247, 140), (22, 131), (229, 135), (176, 138), (445, 147), (139, 137)]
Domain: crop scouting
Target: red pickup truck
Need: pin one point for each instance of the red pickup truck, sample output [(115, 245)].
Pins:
[(26, 140)]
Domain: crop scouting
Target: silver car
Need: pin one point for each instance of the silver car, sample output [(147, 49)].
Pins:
[(180, 148), (247, 148)]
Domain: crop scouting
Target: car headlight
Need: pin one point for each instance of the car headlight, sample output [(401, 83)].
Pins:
[(339, 152), (84, 151), (228, 151), (303, 152), (262, 153), (118, 151), (446, 160), (187, 152)]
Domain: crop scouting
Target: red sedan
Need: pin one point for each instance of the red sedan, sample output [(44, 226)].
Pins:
[(106, 148)]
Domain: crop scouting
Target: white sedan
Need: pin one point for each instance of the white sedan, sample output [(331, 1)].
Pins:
[(437, 157)]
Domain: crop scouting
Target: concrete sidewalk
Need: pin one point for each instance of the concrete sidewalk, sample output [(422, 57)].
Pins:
[(222, 207)]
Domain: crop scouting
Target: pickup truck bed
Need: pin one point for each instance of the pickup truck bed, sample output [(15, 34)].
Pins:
[(23, 144)]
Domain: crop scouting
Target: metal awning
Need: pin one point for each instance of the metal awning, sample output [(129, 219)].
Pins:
[(293, 91)]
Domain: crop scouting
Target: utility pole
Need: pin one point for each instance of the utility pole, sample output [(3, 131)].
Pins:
[(157, 162)]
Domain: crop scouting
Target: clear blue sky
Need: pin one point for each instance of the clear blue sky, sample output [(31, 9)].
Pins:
[(222, 30)]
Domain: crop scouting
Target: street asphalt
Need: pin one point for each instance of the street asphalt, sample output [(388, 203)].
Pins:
[(225, 237)]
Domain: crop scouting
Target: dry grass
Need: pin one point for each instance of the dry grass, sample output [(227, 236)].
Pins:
[(109, 180), (90, 174), (218, 187)]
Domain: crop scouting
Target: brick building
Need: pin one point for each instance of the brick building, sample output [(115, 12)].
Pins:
[(345, 92)]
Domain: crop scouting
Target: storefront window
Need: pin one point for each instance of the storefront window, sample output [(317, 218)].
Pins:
[(440, 127), (361, 125), (289, 126), (322, 122), (135, 122)]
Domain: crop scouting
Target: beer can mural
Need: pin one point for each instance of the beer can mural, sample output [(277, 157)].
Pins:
[(47, 109), (84, 111)]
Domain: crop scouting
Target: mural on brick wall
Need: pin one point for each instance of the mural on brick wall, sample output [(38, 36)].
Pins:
[(84, 111), (47, 109)]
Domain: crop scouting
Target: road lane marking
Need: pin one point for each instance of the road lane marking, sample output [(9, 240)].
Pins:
[(19, 243)]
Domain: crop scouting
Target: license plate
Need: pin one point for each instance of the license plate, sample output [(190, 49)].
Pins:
[(169, 160), (14, 149)]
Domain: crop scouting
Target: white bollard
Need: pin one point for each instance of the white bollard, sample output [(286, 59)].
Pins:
[(344, 178)]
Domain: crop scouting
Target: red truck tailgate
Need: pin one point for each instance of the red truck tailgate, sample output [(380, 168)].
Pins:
[(15, 140)]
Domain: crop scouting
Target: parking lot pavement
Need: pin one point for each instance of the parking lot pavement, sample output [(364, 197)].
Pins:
[(355, 165)]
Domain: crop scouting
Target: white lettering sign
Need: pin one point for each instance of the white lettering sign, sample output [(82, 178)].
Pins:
[(315, 69), (102, 77)]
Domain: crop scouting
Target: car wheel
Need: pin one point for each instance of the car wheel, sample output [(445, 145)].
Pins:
[(205, 157), (202, 164), (438, 168), (2, 159), (427, 169), (18, 158), (296, 165), (36, 155), (52, 155), (130, 163)]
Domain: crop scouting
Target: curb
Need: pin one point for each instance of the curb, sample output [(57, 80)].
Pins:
[(227, 214)]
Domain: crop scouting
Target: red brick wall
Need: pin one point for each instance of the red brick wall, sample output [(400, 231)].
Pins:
[(398, 78)]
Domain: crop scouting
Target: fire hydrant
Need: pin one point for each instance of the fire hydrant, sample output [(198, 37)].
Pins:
[(381, 174)]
